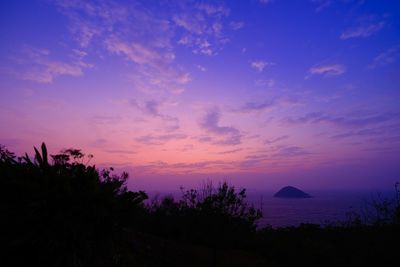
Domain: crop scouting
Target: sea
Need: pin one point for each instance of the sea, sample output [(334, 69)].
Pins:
[(322, 208)]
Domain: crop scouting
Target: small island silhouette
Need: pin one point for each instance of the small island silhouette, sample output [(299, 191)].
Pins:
[(291, 192)]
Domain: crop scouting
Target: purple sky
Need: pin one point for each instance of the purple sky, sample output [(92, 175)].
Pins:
[(260, 93)]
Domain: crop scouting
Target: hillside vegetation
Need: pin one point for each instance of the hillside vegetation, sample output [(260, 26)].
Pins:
[(58, 210)]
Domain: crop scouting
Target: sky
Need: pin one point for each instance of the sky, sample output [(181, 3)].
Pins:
[(260, 93)]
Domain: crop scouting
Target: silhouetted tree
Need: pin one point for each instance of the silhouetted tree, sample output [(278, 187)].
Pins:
[(381, 211), (214, 216), (66, 213)]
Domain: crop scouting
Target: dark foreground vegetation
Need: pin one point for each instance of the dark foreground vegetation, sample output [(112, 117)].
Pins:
[(64, 212)]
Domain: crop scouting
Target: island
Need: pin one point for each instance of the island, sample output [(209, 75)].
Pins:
[(291, 192)]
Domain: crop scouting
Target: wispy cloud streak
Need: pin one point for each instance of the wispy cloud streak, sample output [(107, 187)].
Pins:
[(327, 70), (159, 139), (37, 66), (343, 121), (362, 31), (385, 58)]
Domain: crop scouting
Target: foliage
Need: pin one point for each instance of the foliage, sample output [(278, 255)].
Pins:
[(65, 213), (212, 216), (381, 211)]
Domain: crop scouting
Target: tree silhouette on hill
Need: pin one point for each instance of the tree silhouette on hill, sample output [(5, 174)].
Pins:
[(65, 213)]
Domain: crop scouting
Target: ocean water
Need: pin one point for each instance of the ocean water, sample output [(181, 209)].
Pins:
[(323, 207)]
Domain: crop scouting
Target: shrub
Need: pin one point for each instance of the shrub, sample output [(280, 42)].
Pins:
[(66, 213)]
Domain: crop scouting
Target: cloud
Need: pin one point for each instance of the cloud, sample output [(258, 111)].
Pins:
[(185, 148), (344, 121), (204, 139), (229, 151), (151, 108), (37, 66), (84, 32), (155, 71), (190, 24), (210, 123), (274, 154), (101, 142), (327, 70), (233, 139), (322, 4), (218, 10), (196, 165), (160, 79), (120, 151), (387, 57), (203, 27), (256, 106), (203, 69), (135, 52), (391, 140), (260, 157), (265, 82), (90, 20), (364, 132), (275, 140), (362, 31), (139, 33), (105, 120), (159, 139), (236, 25), (290, 151), (192, 167), (143, 35), (79, 53), (379, 132), (259, 65)]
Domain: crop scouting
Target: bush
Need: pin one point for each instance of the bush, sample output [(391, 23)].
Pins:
[(65, 213), (210, 216)]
